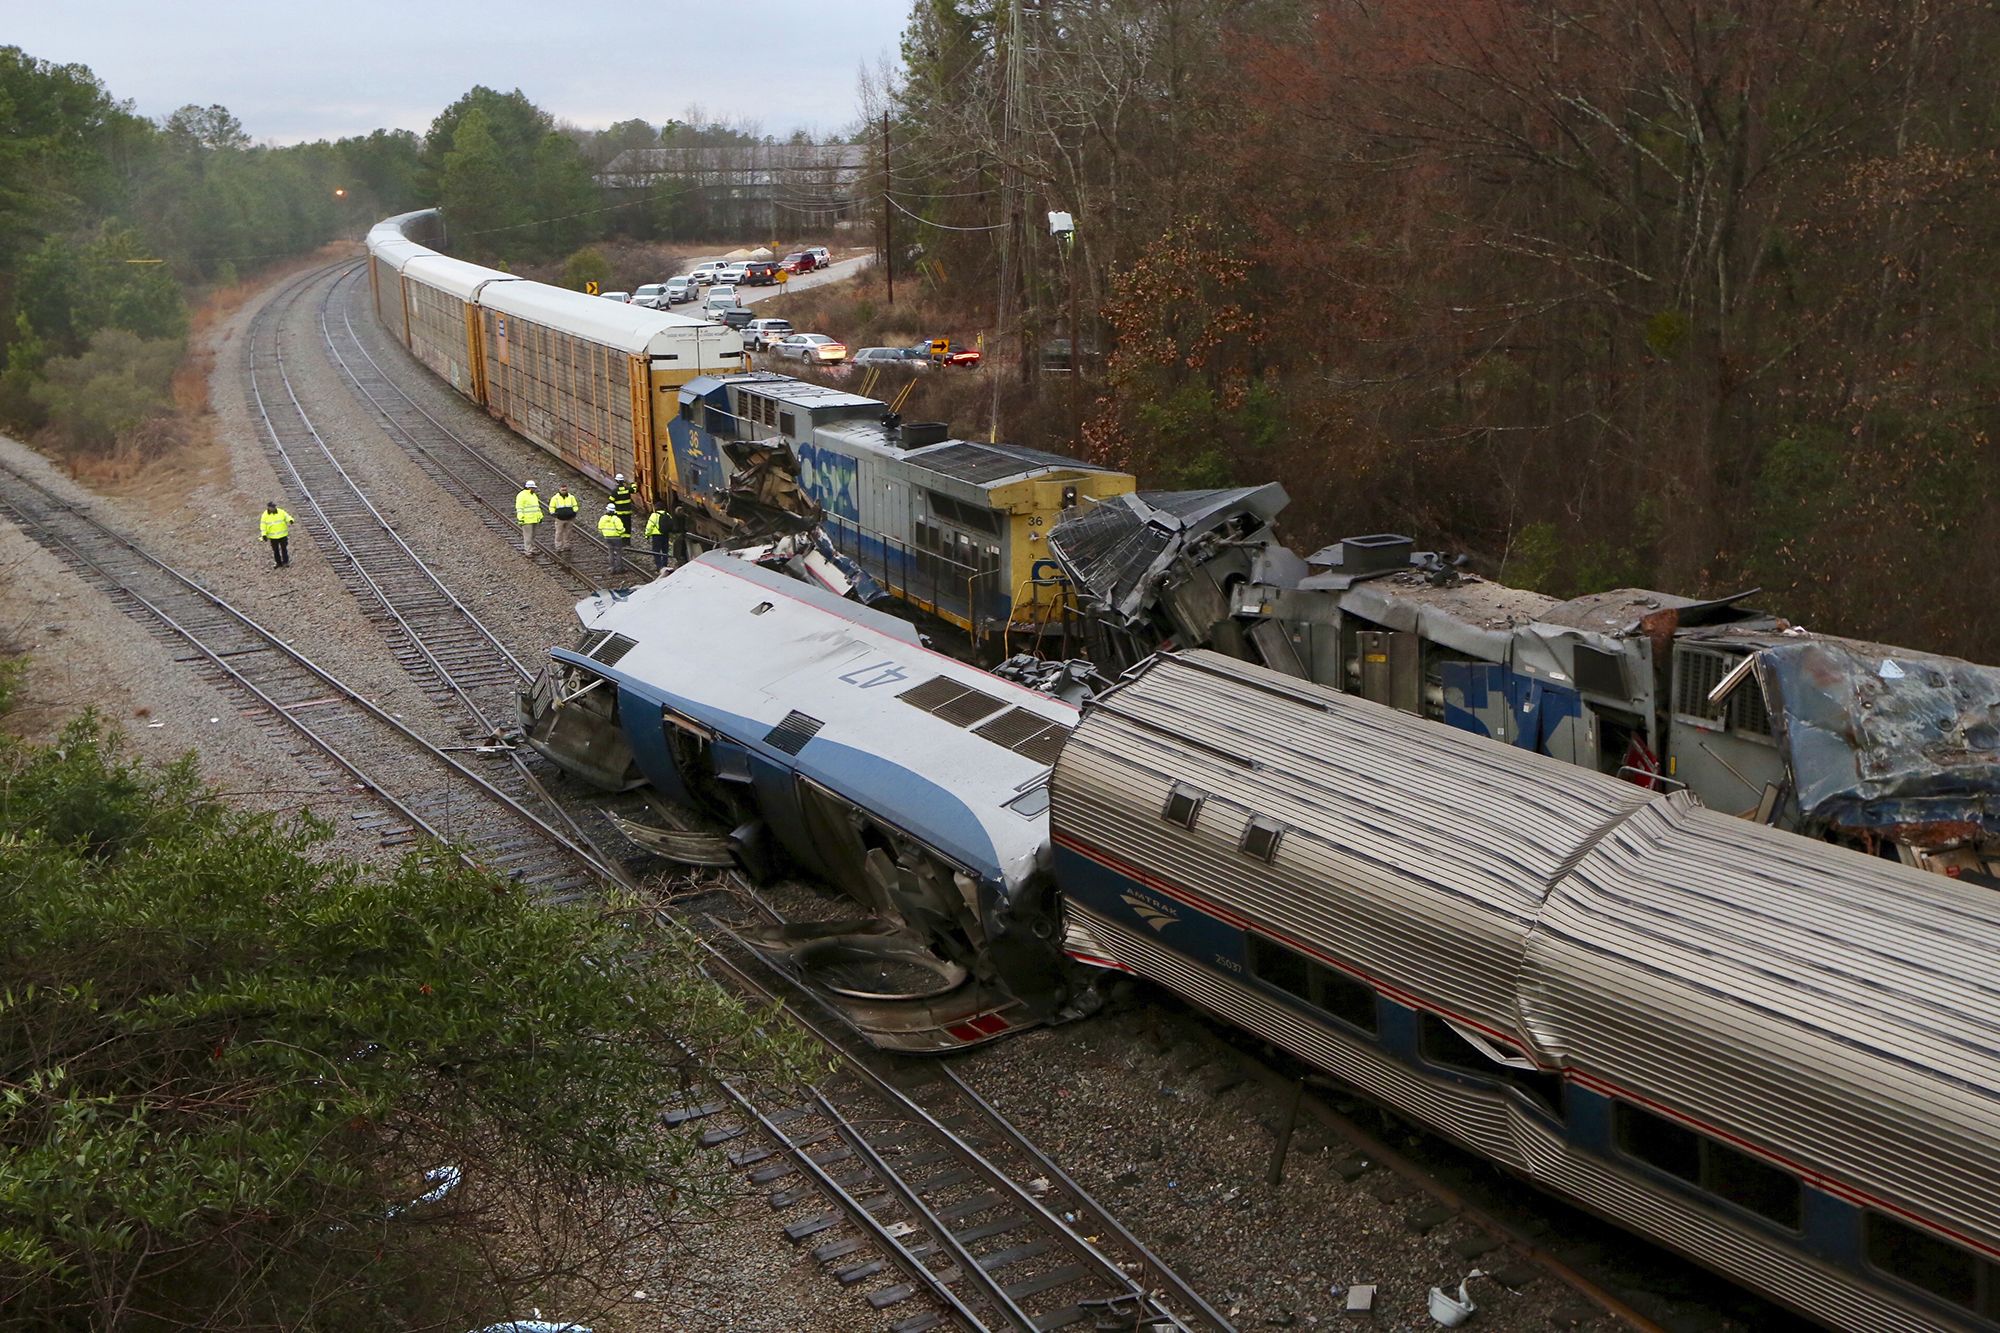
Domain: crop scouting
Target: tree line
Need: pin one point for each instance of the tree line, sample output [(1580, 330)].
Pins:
[(1685, 294)]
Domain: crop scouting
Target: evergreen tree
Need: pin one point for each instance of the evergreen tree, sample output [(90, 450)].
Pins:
[(478, 193), (246, 1086)]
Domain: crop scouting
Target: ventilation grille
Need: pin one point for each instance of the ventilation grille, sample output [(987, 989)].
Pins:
[(1025, 734), (1701, 670), (609, 648), (945, 698), (792, 734)]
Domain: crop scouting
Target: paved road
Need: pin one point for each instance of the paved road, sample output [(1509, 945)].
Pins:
[(842, 268)]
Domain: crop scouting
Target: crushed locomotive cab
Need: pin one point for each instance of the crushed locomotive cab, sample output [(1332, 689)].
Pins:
[(826, 738)]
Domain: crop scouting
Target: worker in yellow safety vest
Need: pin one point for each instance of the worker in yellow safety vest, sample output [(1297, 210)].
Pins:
[(562, 508), (528, 512), (660, 541), (274, 525), (612, 528)]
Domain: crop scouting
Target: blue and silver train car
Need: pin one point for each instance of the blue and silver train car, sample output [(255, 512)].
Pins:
[(956, 528), (830, 739), (1777, 1056)]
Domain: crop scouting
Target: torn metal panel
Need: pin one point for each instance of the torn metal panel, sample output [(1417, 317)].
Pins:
[(764, 494), (1905, 745), (1119, 552)]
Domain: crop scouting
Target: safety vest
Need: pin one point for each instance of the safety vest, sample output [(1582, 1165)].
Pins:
[(527, 507), (611, 526), (562, 505), (622, 497), (273, 526), (653, 524)]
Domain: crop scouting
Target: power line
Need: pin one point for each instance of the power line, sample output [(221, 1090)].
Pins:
[(943, 226)]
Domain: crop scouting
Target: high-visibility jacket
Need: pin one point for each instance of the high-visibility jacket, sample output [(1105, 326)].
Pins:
[(622, 497), (272, 526), (527, 507), (612, 526), (653, 524), (562, 504)]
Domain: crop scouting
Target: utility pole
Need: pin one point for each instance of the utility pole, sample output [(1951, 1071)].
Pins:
[(888, 217)]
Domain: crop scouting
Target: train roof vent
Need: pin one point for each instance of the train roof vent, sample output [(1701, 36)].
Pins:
[(792, 734), (956, 703), (1026, 734), (608, 648)]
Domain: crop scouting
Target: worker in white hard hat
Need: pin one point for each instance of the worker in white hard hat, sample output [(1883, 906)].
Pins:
[(612, 528), (528, 513), (621, 496)]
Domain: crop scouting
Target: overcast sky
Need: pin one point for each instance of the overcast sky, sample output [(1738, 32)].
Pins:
[(294, 70)]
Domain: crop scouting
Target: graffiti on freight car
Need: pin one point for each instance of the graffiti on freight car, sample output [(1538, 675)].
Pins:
[(829, 477)]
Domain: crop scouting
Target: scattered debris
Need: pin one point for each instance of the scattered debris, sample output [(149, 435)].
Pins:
[(1360, 1298), (1451, 1311)]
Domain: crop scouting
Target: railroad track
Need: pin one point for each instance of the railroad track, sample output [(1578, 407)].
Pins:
[(999, 1254), (459, 662), (468, 473), (341, 739), (937, 1203), (435, 636)]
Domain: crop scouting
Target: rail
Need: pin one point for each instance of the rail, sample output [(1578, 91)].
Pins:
[(291, 687)]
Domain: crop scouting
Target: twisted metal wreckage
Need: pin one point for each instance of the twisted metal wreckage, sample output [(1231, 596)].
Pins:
[(1881, 748)]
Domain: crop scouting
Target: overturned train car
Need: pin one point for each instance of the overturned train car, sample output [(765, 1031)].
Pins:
[(826, 737), (1876, 747), (1777, 1056)]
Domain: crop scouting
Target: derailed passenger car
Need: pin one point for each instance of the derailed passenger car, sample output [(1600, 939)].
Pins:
[(1779, 1057), (827, 737)]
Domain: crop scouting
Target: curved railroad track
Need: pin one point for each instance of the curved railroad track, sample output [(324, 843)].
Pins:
[(465, 471), (343, 740)]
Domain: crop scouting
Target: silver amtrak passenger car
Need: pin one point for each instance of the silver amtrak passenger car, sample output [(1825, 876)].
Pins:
[(1777, 1056)]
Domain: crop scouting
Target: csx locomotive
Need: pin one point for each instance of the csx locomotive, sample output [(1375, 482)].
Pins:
[(954, 528)]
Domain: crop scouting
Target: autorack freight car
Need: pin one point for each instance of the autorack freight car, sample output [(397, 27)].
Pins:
[(1777, 1056), (591, 381)]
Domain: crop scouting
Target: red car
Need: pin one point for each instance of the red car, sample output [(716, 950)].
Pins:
[(965, 357), (800, 261)]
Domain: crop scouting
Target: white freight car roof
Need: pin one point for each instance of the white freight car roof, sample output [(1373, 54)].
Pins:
[(632, 329), (453, 276)]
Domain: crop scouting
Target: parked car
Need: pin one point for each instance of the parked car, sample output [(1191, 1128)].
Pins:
[(652, 295), (735, 316), (821, 255), (799, 261), (732, 272), (760, 273), (900, 358), (680, 290), (720, 297), (615, 296), (1056, 355), (964, 357), (704, 273), (815, 348), (764, 334)]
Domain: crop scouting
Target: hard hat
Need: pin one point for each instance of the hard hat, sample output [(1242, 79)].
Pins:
[(610, 508), (529, 483), (621, 476)]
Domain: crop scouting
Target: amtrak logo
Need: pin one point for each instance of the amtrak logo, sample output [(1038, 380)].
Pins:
[(1153, 912)]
